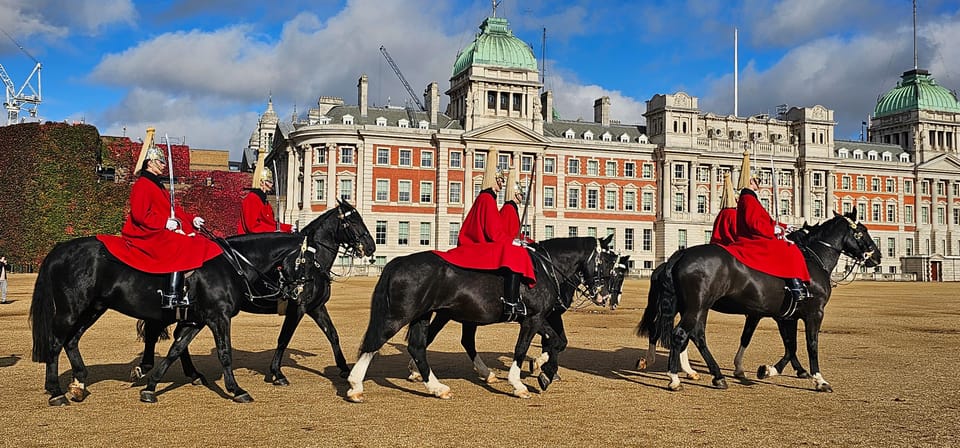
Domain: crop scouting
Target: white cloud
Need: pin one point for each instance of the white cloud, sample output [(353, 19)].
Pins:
[(846, 75), (52, 20)]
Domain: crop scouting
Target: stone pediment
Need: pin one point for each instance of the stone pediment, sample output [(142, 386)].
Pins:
[(506, 131), (944, 163)]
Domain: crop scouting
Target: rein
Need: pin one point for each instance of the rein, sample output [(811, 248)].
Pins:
[(857, 261), (561, 278)]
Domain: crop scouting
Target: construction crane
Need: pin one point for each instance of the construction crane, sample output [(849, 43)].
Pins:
[(27, 96), (396, 69)]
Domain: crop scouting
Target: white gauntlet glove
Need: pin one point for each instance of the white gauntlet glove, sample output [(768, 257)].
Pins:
[(198, 222), (172, 224)]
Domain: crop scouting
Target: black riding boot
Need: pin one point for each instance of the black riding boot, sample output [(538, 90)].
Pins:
[(798, 293), (174, 296), (513, 308)]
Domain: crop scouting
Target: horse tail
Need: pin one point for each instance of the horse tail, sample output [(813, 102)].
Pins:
[(142, 330), (42, 312), (657, 320), (379, 310)]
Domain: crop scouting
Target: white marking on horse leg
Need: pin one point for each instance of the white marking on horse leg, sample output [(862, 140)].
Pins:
[(685, 366), (435, 387), (674, 381), (540, 361), (414, 372), (519, 389), (772, 371), (357, 373), (821, 384), (738, 362), (485, 374)]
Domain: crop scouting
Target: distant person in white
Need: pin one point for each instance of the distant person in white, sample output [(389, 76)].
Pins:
[(3, 279)]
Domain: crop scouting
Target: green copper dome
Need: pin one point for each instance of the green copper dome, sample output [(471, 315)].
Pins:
[(917, 90), (496, 46)]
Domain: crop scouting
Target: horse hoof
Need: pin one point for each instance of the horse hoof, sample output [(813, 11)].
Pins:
[(77, 394), (720, 383), (544, 381), (740, 375), (761, 372), (136, 374), (491, 378), (825, 387), (199, 380), (556, 377), (148, 396), (642, 364), (522, 393), (415, 377), (803, 374), (693, 376), (281, 381), (446, 395), (243, 398), (59, 401), (675, 387), (355, 398)]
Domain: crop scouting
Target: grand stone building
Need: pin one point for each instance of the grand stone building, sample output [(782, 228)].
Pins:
[(657, 187)]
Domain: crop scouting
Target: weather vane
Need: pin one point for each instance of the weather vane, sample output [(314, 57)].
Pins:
[(495, 3)]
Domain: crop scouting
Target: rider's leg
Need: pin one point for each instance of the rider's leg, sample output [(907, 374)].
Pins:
[(175, 295), (798, 291), (513, 308)]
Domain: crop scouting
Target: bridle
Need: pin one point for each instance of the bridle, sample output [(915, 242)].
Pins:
[(857, 259)]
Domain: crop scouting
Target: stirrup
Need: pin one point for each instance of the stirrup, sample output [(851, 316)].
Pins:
[(171, 301), (513, 311)]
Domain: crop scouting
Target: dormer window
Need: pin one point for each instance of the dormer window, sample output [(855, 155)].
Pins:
[(842, 153), (857, 154), (872, 155), (424, 124), (642, 139), (624, 138), (606, 137), (588, 135), (324, 120), (904, 157), (348, 119), (568, 134), (403, 123), (887, 156), (381, 121)]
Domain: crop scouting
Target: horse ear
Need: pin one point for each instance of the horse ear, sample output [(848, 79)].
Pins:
[(835, 214), (606, 241), (852, 215)]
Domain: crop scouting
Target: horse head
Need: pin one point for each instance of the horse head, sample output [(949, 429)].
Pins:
[(856, 241), (614, 285), (606, 262), (347, 229)]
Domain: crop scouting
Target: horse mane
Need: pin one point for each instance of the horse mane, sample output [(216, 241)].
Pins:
[(312, 226)]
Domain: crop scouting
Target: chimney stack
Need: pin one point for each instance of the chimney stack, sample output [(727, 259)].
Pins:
[(431, 96), (362, 94), (546, 99), (601, 111)]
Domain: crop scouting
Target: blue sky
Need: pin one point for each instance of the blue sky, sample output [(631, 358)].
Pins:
[(203, 69)]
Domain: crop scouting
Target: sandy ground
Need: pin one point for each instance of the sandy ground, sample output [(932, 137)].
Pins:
[(888, 349)]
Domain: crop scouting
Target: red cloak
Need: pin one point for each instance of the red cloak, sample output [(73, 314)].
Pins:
[(144, 242), (256, 215), (724, 227), (758, 247), (486, 239)]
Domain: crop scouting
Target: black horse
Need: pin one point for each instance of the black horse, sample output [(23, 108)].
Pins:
[(308, 272), (78, 281), (786, 327), (413, 287), (614, 285), (707, 276), (607, 263)]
